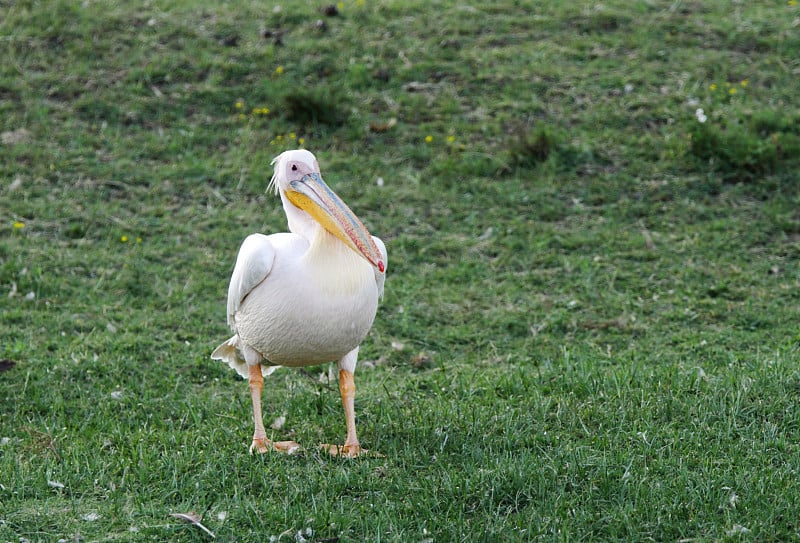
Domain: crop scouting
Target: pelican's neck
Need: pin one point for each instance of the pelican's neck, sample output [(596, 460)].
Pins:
[(299, 222), (324, 246), (335, 265)]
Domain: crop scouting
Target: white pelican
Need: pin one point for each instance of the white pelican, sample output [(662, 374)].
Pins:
[(305, 297)]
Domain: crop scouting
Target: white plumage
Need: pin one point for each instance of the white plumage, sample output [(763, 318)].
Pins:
[(305, 297)]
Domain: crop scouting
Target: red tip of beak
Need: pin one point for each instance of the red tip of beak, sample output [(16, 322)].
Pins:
[(381, 266)]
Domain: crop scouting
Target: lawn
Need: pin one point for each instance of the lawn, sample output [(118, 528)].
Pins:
[(590, 324)]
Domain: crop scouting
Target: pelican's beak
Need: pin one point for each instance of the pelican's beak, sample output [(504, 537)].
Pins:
[(315, 197)]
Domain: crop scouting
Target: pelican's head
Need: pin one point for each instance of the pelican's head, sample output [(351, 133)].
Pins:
[(298, 181)]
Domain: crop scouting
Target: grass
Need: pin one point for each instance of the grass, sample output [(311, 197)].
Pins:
[(589, 330)]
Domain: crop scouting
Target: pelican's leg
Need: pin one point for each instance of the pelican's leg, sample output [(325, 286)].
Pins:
[(347, 388), (260, 441)]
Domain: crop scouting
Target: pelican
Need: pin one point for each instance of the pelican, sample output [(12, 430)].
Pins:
[(305, 297)]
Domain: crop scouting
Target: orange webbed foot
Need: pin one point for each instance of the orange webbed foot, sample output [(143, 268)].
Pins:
[(263, 445), (348, 451)]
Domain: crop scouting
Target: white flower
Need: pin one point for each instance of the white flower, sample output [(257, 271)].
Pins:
[(737, 529), (700, 114), (278, 423)]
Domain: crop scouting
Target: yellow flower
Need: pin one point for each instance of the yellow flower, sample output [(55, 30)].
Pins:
[(138, 240), (239, 104), (241, 116), (428, 139), (279, 70), (713, 86), (301, 141), (292, 135), (124, 239), (744, 82), (732, 90), (792, 2), (451, 138), (19, 225), (340, 6), (279, 137)]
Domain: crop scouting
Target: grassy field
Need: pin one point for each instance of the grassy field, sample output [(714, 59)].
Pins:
[(590, 327)]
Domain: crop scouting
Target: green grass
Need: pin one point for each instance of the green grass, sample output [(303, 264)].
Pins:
[(596, 295)]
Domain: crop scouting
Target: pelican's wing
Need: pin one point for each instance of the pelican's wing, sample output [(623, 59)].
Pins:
[(253, 265), (380, 278)]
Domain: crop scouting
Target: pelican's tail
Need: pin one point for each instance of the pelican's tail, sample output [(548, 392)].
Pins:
[(230, 352)]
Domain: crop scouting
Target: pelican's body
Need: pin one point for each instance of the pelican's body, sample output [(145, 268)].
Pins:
[(305, 297), (321, 321)]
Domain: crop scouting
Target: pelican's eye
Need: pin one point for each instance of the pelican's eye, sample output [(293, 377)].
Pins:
[(294, 167)]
